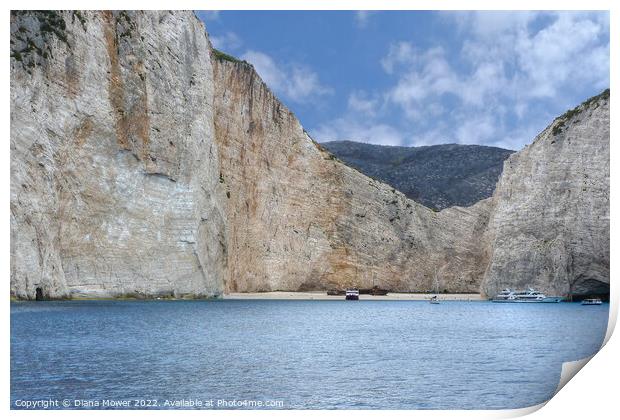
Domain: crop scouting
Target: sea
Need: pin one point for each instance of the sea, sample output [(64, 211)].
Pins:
[(294, 354)]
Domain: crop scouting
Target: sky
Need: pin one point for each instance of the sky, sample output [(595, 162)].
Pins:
[(414, 78)]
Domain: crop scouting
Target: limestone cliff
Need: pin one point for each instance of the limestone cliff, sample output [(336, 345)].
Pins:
[(549, 225), (114, 176), (143, 164), (299, 219)]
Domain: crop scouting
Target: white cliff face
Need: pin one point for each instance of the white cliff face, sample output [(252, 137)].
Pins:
[(143, 166), (549, 226), (114, 172)]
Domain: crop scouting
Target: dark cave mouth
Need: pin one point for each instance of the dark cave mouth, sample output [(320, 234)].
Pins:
[(589, 289)]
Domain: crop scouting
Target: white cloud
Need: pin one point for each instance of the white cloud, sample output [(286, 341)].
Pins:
[(481, 129), (294, 81), (304, 83), (546, 50), (228, 41), (210, 14), (362, 17), (361, 103), (426, 77), (360, 123), (351, 129), (438, 134), (565, 52), (489, 25), (507, 66), (399, 53), (266, 67)]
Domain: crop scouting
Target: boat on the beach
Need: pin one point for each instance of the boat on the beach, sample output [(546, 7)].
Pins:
[(524, 296), (375, 291), (434, 300), (592, 302), (352, 294)]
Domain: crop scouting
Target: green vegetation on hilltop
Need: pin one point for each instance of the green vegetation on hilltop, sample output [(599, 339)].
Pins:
[(222, 56), (562, 119)]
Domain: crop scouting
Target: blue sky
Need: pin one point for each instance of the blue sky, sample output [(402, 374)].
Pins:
[(417, 78)]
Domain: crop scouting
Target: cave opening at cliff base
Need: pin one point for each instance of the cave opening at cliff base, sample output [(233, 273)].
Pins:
[(588, 288)]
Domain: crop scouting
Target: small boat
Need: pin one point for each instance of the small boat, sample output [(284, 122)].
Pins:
[(434, 300), (352, 294), (592, 302), (525, 296)]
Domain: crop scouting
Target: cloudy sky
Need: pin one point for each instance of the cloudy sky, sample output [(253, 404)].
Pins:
[(420, 78)]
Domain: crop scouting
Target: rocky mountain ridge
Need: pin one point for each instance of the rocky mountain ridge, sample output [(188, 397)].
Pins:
[(438, 176), (144, 165)]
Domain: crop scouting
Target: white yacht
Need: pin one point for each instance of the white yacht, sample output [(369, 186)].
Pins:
[(525, 296), (352, 294)]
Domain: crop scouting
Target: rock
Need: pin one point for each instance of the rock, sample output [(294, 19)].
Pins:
[(114, 178), (301, 220), (143, 165), (549, 225), (438, 176)]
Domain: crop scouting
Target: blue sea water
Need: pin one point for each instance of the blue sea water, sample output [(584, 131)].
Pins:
[(302, 354)]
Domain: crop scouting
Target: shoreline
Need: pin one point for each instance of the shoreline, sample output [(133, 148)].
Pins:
[(279, 295), (324, 296)]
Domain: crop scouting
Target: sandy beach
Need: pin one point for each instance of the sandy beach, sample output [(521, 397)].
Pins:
[(324, 296)]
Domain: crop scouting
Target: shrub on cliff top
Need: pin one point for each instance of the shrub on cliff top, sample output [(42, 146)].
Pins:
[(223, 56), (557, 128)]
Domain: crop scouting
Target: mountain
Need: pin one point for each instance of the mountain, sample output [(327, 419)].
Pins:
[(437, 176), (144, 163)]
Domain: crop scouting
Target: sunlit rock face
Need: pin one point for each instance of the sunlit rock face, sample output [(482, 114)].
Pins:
[(300, 219), (145, 164), (549, 226), (114, 172)]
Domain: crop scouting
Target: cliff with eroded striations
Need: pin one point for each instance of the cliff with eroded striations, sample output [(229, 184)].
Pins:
[(114, 175), (549, 225), (144, 164), (301, 220)]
